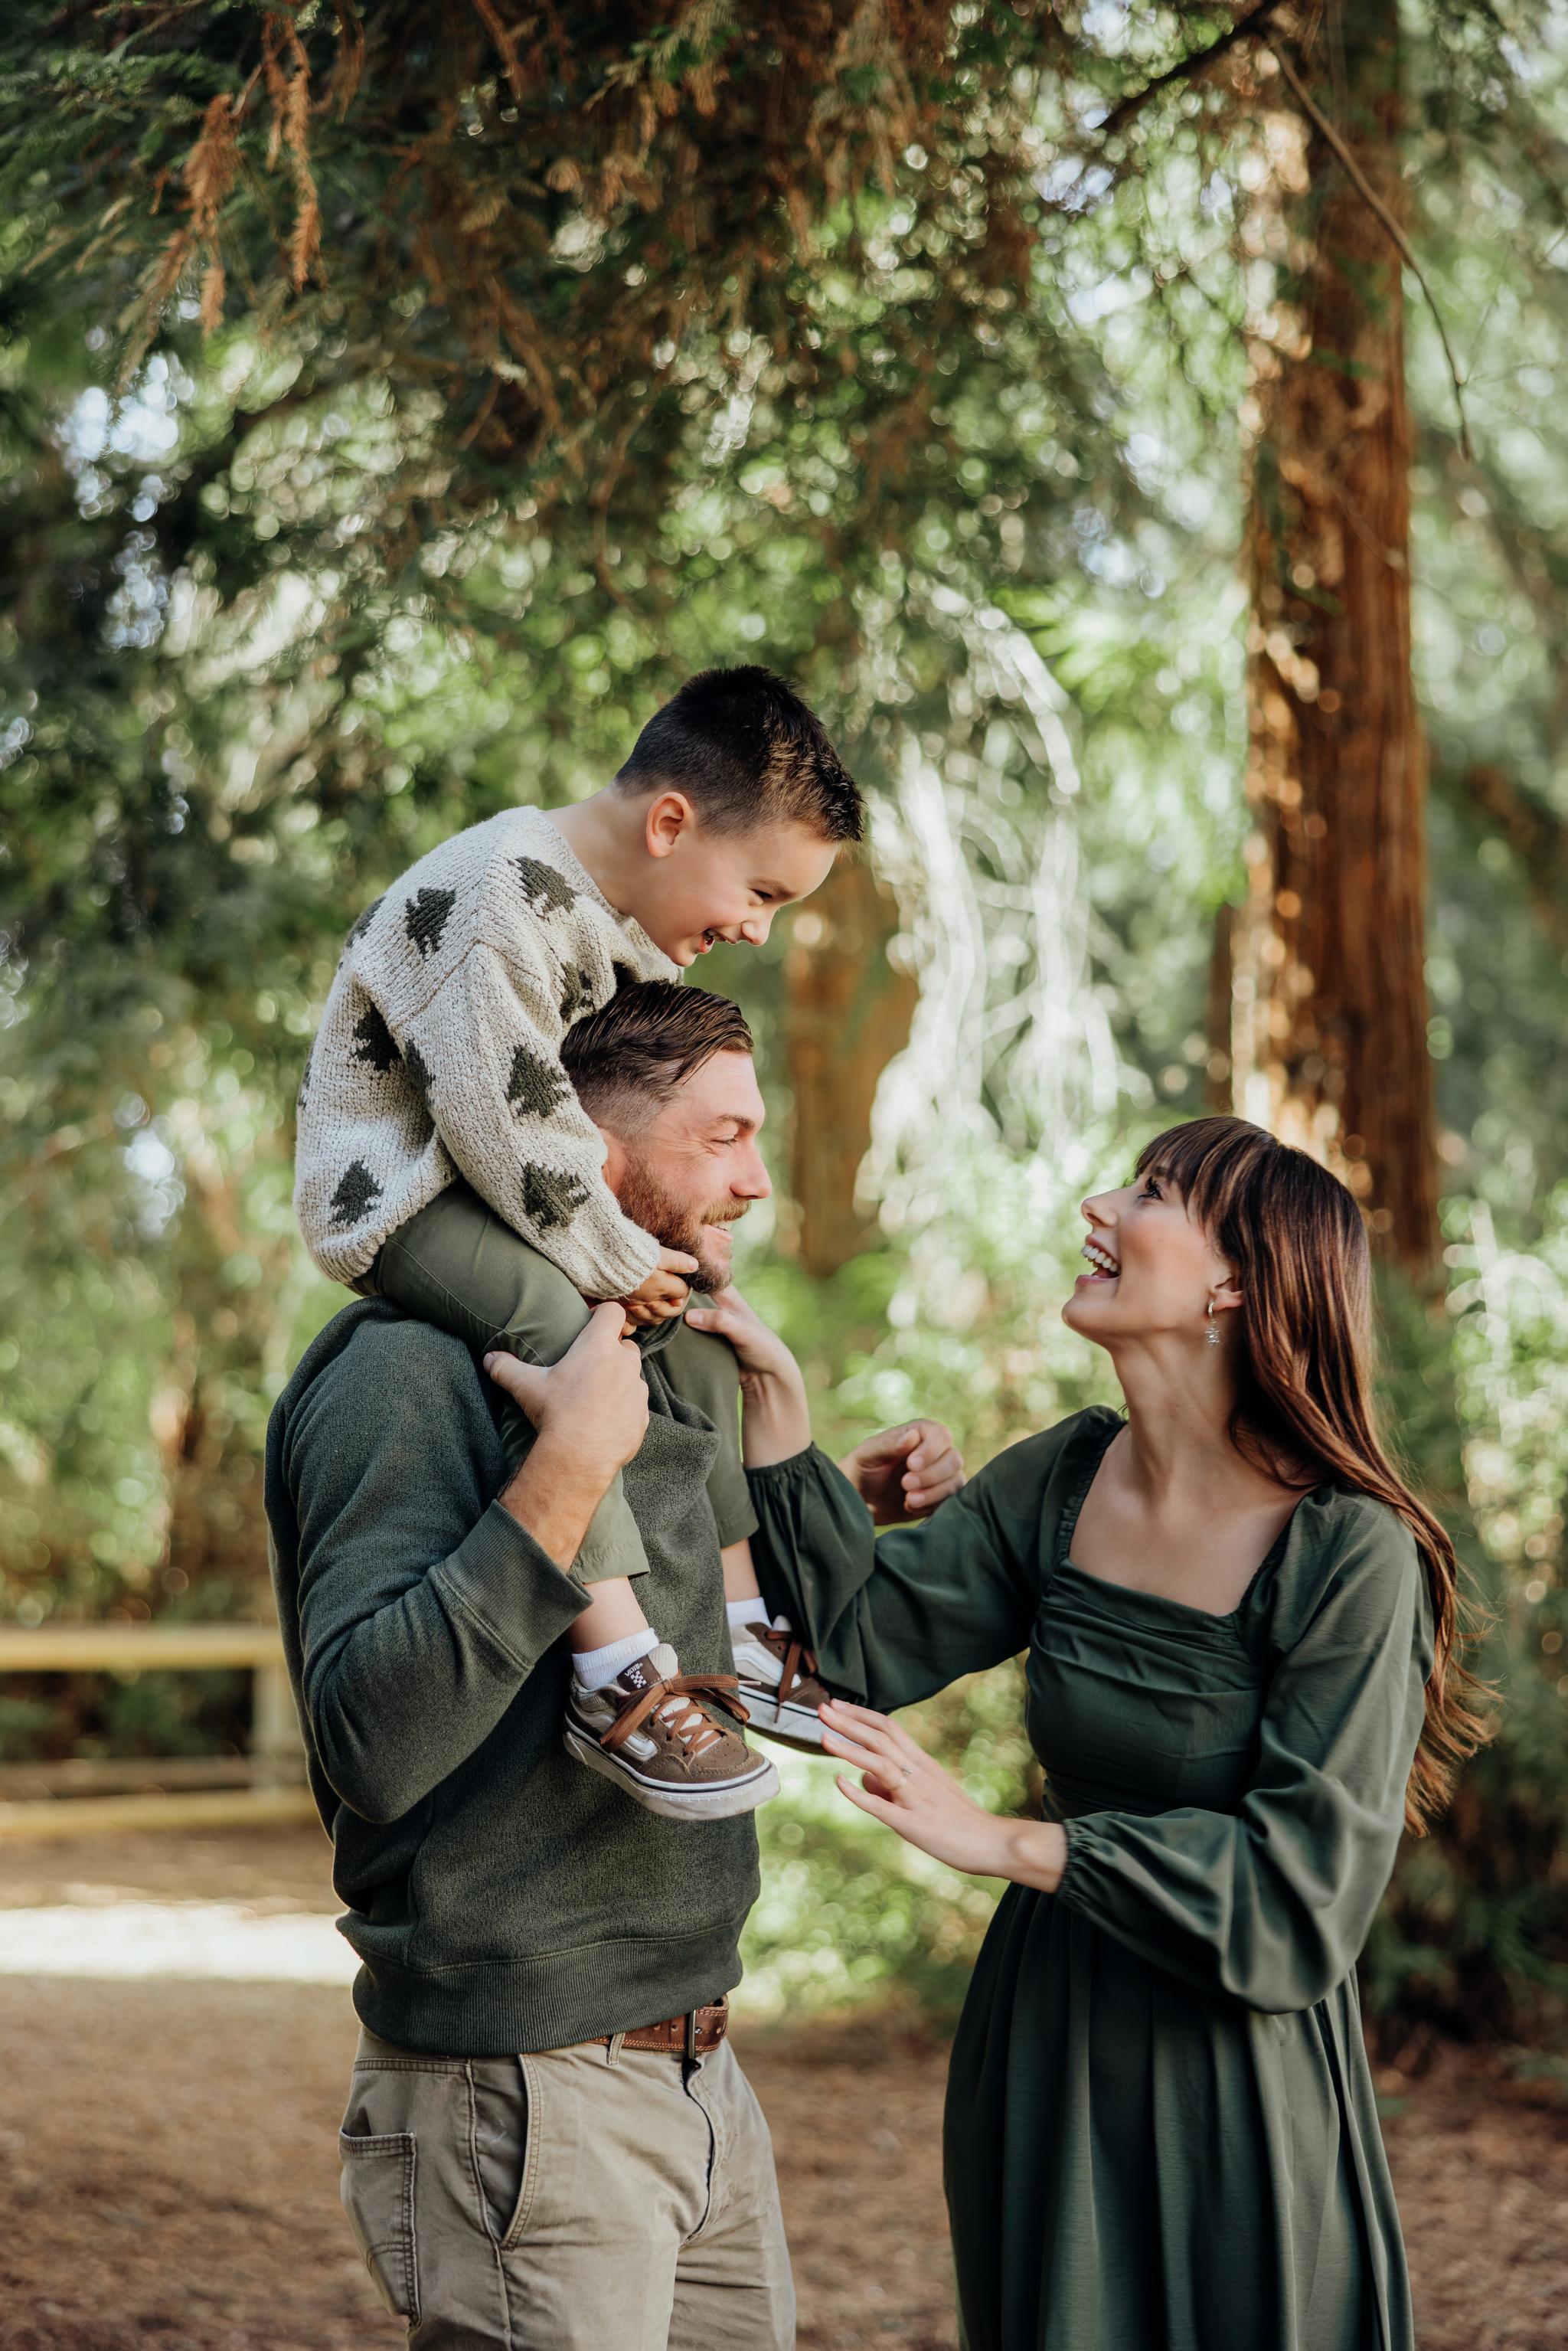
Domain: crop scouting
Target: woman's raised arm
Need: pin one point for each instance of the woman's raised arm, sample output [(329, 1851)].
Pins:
[(895, 1617)]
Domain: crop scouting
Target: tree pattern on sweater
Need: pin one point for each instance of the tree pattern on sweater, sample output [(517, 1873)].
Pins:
[(439, 1056), (418, 1070), (546, 891), (535, 1086), (374, 1041), (364, 921), (426, 917), (577, 997), (357, 1192), (550, 1200)]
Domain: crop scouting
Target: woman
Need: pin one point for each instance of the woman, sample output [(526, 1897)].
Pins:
[(1240, 1628)]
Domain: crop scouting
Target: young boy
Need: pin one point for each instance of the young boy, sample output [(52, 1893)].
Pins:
[(439, 1057)]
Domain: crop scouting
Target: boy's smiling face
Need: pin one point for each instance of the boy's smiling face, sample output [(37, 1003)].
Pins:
[(706, 888)]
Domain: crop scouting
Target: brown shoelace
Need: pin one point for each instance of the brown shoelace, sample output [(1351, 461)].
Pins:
[(685, 1723), (794, 1653)]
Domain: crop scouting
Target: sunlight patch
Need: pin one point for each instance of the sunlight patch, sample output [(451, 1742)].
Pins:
[(196, 1940)]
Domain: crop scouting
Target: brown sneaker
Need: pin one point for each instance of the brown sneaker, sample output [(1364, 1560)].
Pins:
[(779, 1686), (662, 1736)]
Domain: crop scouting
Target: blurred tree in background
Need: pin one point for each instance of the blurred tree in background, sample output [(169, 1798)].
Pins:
[(398, 404)]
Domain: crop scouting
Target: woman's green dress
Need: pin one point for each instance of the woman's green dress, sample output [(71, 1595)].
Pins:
[(1161, 2130)]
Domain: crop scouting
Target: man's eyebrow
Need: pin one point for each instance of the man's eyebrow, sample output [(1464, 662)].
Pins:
[(739, 1119)]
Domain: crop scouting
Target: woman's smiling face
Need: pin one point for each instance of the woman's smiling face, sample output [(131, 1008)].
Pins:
[(1151, 1267)]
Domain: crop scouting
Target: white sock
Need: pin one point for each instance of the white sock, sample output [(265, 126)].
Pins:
[(595, 1667), (742, 1612)]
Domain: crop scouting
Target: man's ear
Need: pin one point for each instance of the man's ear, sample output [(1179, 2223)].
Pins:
[(614, 1157), (670, 814)]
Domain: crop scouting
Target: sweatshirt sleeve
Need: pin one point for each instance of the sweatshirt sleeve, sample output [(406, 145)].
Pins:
[(896, 1617), (486, 1047), (1272, 1905), (423, 1606)]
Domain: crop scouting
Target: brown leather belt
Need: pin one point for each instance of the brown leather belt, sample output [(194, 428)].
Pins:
[(692, 2035)]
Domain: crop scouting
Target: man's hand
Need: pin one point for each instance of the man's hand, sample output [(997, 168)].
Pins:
[(666, 1290), (591, 1414), (904, 1472)]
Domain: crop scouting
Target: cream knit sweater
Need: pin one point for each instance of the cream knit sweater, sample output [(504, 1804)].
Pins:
[(439, 1053)]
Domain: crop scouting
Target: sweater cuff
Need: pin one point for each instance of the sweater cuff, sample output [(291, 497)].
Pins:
[(610, 1263), (502, 1579)]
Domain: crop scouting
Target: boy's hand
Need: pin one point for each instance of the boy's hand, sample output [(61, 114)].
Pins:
[(905, 1473), (660, 1298)]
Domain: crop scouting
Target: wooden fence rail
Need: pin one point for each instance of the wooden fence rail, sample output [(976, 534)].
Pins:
[(156, 1793)]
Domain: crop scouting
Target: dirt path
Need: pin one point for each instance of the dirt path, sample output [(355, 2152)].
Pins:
[(168, 2169)]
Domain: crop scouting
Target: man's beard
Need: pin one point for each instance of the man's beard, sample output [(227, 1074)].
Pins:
[(647, 1204)]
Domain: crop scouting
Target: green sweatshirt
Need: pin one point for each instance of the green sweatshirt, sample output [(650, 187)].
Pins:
[(501, 1897)]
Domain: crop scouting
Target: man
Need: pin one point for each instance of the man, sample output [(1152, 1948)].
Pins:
[(549, 2142)]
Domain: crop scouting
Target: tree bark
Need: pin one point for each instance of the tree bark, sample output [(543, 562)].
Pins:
[(847, 1013), (1330, 1013), (1537, 838), (1220, 1002)]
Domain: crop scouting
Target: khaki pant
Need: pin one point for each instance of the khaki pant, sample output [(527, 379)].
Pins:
[(618, 2199)]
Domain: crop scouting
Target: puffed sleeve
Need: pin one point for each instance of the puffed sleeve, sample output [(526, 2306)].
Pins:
[(896, 1617), (1272, 1904)]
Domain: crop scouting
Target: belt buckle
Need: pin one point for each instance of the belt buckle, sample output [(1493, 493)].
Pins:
[(692, 2034)]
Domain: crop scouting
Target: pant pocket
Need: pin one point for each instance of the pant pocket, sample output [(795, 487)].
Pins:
[(376, 2184), (506, 2144)]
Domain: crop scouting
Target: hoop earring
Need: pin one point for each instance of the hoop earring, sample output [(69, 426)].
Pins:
[(1212, 1332)]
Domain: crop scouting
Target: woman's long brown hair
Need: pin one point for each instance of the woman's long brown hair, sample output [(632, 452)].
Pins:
[(1304, 1414)]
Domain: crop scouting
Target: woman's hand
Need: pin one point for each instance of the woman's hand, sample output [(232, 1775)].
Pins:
[(906, 1472), (775, 1418), (902, 1785), (760, 1353)]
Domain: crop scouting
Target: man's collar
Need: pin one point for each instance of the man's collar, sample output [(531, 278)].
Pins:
[(652, 1336)]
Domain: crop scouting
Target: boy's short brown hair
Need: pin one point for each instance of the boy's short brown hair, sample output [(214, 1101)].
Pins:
[(633, 1053), (746, 750)]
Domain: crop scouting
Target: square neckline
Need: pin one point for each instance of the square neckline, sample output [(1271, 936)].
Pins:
[(1067, 1528)]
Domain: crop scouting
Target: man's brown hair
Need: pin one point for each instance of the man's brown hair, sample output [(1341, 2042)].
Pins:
[(644, 1042)]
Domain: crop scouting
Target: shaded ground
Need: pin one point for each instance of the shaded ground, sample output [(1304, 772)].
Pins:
[(168, 2169)]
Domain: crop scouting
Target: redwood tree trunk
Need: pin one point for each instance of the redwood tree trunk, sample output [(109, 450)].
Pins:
[(1330, 1029), (847, 1013)]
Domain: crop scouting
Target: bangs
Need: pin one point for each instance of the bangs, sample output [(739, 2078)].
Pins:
[(1203, 1158)]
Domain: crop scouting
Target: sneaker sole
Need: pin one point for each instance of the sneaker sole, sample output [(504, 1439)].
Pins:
[(722, 1801), (790, 1725)]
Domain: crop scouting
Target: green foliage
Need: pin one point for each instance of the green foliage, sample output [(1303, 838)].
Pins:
[(950, 425), (1475, 1936)]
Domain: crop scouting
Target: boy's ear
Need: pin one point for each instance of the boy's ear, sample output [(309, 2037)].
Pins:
[(669, 814)]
